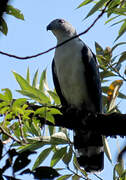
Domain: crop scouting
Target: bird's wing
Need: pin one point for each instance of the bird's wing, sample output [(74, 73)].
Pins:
[(92, 78), (57, 85)]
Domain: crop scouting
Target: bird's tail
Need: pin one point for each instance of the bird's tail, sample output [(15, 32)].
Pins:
[(89, 150)]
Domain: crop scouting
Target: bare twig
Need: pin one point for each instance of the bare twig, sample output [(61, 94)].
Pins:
[(73, 172), (9, 135), (54, 47), (98, 176), (21, 129), (117, 72)]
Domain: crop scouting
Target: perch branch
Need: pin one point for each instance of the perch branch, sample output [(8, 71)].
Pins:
[(104, 124)]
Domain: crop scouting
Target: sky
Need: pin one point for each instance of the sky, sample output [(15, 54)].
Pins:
[(30, 37)]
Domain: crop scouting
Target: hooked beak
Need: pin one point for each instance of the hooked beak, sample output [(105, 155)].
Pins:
[(49, 27)]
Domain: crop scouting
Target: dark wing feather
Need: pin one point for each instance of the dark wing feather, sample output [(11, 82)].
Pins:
[(92, 78), (57, 86)]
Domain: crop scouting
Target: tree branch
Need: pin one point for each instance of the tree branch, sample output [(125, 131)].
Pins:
[(104, 124), (54, 47)]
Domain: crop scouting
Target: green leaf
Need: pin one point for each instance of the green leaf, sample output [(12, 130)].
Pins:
[(52, 130), (84, 3), (106, 74), (96, 7), (122, 58), (121, 95), (58, 155), (109, 20), (30, 91), (121, 31), (21, 81), (42, 156), (54, 111), (28, 76), (35, 80), (107, 149), (8, 94), (4, 110), (55, 97), (68, 156), (118, 22), (118, 44), (42, 80), (3, 97), (75, 177), (46, 113), (33, 146), (50, 118), (19, 102), (65, 177), (3, 104), (14, 12), (3, 27), (99, 49), (119, 168)]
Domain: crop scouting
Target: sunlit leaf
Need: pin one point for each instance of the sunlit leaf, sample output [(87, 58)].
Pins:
[(50, 118), (42, 156), (107, 149), (54, 111), (22, 82), (19, 102), (58, 155), (55, 97), (14, 12), (30, 91), (122, 30), (42, 80), (114, 89), (35, 80), (95, 8), (113, 93), (28, 75), (8, 94), (84, 3)]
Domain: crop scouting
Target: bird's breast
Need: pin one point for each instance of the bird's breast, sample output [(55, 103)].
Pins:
[(70, 71)]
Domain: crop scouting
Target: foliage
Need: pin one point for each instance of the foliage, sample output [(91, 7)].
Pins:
[(10, 10), (26, 131), (21, 125), (116, 10)]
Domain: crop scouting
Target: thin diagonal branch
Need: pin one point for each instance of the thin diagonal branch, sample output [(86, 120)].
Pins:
[(9, 135), (54, 47)]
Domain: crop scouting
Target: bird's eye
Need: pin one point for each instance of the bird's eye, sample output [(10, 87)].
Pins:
[(61, 21)]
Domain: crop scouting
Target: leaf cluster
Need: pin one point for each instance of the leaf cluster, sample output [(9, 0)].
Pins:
[(8, 10), (116, 10), (18, 163)]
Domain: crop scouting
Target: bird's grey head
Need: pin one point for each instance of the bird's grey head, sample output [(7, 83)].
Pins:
[(61, 29)]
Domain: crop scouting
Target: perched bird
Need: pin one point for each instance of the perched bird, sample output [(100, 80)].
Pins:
[(77, 82)]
